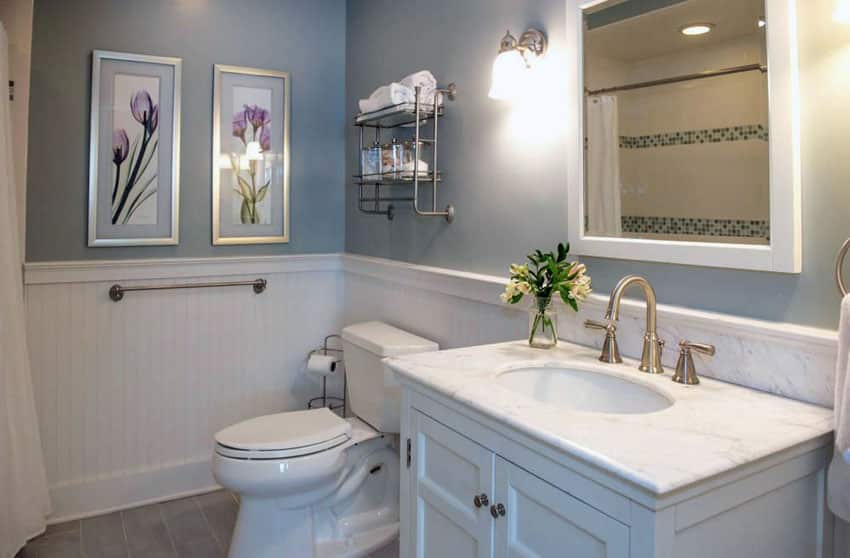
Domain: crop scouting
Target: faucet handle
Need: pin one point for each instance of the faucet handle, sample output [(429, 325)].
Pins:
[(610, 350), (703, 348), (686, 372), (606, 326)]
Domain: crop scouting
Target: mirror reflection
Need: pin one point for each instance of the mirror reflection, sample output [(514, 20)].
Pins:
[(676, 120)]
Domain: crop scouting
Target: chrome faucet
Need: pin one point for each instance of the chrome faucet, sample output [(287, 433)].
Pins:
[(650, 359)]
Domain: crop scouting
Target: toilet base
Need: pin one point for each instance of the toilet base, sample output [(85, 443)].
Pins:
[(265, 531), (361, 516)]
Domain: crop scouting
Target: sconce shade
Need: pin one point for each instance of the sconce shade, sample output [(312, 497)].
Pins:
[(508, 73)]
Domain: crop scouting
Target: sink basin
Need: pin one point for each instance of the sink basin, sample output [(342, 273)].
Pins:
[(583, 390)]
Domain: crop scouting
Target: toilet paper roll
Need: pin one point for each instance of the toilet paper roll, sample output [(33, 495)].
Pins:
[(321, 365)]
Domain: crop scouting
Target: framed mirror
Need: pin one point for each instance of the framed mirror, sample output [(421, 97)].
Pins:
[(686, 145)]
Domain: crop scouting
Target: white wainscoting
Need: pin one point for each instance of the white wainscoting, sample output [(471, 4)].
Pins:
[(129, 394)]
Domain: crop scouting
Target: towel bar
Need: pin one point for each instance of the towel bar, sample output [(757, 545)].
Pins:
[(116, 291), (839, 264)]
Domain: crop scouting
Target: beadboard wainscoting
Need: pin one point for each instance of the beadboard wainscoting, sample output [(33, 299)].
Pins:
[(129, 394)]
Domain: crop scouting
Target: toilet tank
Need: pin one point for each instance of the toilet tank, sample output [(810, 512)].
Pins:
[(373, 394)]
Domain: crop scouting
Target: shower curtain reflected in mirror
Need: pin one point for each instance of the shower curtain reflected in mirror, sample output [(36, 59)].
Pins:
[(604, 216), (24, 501)]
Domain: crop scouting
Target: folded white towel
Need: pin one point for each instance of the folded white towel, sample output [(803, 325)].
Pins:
[(426, 81), (838, 478), (387, 95), (404, 91)]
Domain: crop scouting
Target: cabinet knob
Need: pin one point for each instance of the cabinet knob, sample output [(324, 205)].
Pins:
[(497, 510), (481, 500)]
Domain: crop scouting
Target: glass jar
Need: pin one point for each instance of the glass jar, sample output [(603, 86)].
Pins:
[(391, 159), (410, 151), (371, 159)]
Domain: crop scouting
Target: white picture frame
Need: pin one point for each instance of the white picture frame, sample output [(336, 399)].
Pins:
[(238, 90), (134, 150), (783, 253)]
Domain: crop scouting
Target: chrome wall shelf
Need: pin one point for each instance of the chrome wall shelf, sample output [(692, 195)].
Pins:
[(373, 196)]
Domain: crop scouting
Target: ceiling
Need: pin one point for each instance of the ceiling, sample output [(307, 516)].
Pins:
[(658, 32)]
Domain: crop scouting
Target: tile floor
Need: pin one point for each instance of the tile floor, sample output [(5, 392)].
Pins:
[(195, 527)]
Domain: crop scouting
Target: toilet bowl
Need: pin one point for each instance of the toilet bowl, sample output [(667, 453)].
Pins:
[(312, 484)]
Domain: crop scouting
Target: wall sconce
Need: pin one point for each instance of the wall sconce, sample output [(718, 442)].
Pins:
[(842, 12), (514, 59)]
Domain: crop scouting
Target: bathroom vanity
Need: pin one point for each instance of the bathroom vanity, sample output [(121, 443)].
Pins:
[(512, 451)]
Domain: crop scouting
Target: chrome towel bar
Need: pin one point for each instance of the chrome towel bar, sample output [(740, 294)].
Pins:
[(839, 264), (116, 291)]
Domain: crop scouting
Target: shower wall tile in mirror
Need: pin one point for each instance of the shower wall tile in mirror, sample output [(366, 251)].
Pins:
[(670, 153)]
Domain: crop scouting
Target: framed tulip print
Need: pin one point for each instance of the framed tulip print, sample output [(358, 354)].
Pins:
[(250, 174), (134, 154)]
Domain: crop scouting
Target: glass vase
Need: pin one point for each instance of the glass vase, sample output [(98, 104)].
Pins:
[(542, 324)]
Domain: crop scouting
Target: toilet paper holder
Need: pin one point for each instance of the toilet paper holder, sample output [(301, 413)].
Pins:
[(325, 400)]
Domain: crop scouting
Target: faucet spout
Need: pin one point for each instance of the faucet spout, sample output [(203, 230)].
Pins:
[(652, 346)]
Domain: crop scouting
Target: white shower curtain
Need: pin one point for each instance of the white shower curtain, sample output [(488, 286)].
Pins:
[(24, 502), (603, 167)]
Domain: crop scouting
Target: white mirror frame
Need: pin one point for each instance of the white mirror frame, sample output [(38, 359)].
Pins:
[(784, 252)]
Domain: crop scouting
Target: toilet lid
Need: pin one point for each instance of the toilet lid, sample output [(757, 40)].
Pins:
[(301, 431)]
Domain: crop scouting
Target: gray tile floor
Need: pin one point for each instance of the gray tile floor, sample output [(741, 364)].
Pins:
[(196, 527), (199, 526)]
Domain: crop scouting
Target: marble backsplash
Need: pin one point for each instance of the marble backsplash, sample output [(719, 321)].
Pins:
[(459, 309)]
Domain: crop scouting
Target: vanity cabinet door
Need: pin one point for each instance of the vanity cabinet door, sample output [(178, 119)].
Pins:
[(541, 520), (449, 471)]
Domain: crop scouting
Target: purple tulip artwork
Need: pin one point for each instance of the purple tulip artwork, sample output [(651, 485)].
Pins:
[(251, 126), (134, 160), (250, 165), (135, 168)]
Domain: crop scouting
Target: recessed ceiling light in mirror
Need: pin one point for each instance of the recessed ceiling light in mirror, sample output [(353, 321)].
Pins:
[(696, 29)]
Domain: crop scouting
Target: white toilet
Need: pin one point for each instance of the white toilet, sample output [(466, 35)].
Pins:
[(312, 484)]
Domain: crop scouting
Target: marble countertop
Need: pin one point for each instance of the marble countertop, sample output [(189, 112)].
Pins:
[(710, 429)]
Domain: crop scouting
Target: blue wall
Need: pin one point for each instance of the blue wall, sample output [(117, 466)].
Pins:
[(306, 39), (505, 169)]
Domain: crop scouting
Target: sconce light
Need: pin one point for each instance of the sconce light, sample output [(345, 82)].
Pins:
[(514, 59), (842, 12)]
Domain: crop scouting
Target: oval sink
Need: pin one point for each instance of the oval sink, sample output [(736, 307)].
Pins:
[(583, 390)]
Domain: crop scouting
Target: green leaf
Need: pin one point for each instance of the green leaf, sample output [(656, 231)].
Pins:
[(261, 193), (562, 252), (247, 194), (245, 212)]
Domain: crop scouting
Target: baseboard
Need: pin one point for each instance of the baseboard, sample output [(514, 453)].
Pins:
[(128, 490)]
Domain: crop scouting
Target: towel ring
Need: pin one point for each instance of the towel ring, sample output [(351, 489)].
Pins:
[(839, 264)]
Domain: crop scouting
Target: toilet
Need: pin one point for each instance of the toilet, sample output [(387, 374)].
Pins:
[(312, 484)]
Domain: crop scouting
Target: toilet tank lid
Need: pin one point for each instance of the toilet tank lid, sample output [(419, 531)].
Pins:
[(385, 340)]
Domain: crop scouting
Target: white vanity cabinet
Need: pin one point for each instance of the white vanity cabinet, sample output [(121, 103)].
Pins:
[(474, 488), (468, 502)]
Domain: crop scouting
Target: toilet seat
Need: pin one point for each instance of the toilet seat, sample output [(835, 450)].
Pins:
[(283, 435)]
